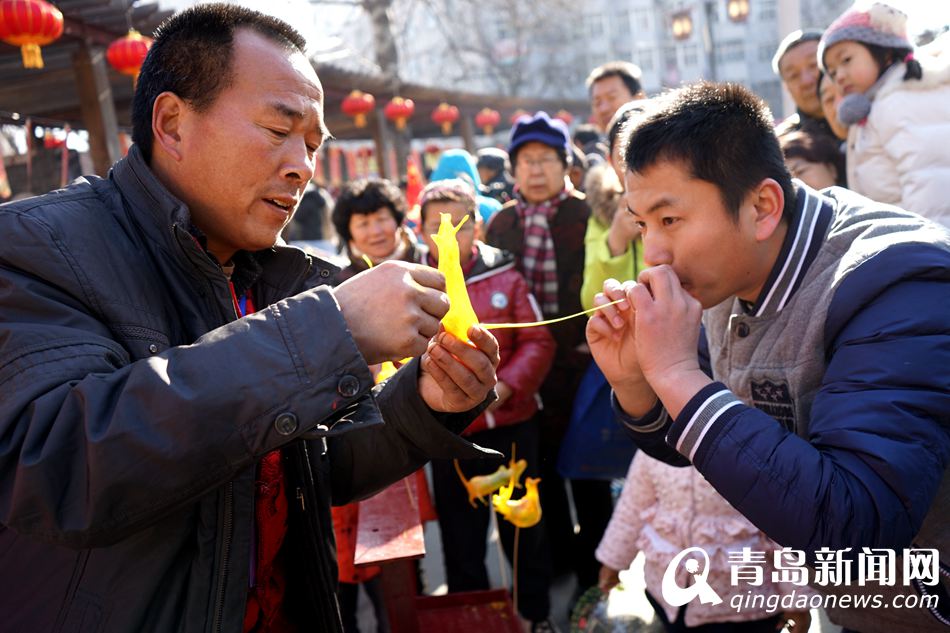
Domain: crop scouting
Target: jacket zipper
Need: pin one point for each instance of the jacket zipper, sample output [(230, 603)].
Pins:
[(325, 595), (922, 589), (224, 565)]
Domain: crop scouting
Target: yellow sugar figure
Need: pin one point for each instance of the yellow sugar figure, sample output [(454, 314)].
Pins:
[(388, 368), (480, 486), (524, 512), (460, 316)]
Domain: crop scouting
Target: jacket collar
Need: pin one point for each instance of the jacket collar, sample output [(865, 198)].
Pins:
[(806, 232), (155, 208)]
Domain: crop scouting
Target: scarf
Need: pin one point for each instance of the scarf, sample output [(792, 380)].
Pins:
[(538, 259)]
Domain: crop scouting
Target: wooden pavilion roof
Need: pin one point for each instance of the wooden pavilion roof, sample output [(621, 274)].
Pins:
[(51, 92)]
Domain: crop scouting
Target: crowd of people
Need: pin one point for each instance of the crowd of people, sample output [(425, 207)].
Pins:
[(192, 409)]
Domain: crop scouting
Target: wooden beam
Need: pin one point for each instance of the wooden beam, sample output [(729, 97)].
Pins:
[(98, 109)]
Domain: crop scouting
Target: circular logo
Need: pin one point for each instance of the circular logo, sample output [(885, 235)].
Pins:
[(499, 300), (677, 596)]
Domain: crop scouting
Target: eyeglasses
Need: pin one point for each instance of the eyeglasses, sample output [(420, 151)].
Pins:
[(543, 163)]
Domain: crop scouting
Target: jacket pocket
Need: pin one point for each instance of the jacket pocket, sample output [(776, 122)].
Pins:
[(84, 614), (81, 612)]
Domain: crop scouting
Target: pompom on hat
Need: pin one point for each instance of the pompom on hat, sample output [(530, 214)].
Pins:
[(874, 22)]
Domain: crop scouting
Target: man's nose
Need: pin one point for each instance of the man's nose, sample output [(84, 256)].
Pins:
[(298, 162), (655, 251)]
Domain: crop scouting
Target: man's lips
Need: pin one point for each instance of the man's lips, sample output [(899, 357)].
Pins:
[(284, 203)]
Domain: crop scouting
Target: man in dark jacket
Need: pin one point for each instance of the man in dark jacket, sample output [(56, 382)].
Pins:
[(822, 413), (168, 463)]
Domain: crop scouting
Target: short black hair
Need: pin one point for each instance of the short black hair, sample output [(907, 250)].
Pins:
[(191, 57), (365, 196), (629, 73), (721, 132), (620, 117), (585, 134), (814, 148)]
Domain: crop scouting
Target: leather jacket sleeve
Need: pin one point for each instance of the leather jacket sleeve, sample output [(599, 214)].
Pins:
[(97, 444)]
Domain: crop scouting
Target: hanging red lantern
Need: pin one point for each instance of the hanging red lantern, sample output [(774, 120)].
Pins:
[(565, 116), (53, 141), (127, 54), (445, 115), (30, 24), (487, 119), (357, 105), (517, 115), (399, 110)]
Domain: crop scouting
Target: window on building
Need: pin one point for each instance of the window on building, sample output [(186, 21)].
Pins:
[(642, 21), (621, 24), (730, 51), (766, 11), (690, 55), (595, 26), (645, 59)]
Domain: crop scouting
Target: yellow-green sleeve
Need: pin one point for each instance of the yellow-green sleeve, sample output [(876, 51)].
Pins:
[(600, 266)]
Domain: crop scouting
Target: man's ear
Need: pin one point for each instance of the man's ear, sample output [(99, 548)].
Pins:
[(768, 200), (168, 113)]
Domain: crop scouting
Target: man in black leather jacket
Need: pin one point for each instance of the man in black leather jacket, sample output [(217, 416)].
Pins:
[(138, 402)]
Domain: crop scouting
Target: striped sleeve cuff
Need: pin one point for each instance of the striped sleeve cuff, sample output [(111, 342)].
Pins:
[(702, 419), (652, 421)]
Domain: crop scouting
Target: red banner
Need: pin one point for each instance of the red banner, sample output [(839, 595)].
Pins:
[(29, 155), (318, 176), (64, 159), (5, 191), (393, 165), (336, 177), (352, 169)]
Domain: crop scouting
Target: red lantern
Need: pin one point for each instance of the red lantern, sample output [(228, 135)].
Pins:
[(517, 115), (51, 141), (487, 119), (399, 110), (357, 105), (127, 54), (445, 115), (30, 24), (565, 116)]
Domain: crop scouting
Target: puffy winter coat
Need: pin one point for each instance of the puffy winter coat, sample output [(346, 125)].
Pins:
[(899, 155), (499, 294), (664, 510)]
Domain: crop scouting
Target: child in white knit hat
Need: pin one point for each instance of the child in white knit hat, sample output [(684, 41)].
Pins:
[(897, 107)]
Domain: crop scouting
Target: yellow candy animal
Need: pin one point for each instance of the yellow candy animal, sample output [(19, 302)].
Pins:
[(480, 486), (524, 512), (460, 316)]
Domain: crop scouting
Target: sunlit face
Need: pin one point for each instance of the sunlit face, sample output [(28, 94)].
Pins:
[(539, 172), (684, 224), (815, 175), (245, 161), (852, 67), (606, 97), (465, 234), (829, 105), (374, 233), (799, 71)]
